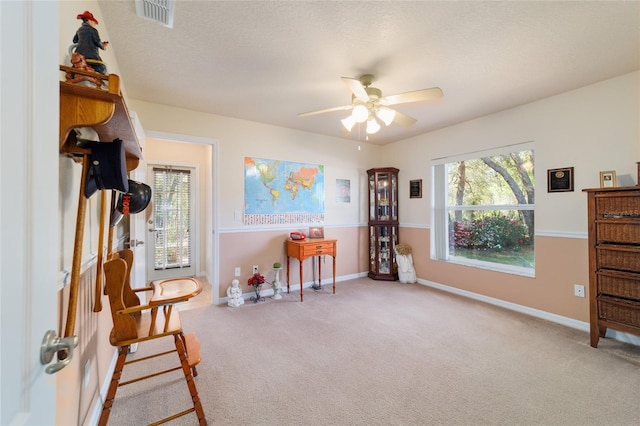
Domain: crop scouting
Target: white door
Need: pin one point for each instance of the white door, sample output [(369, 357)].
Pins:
[(171, 230), (29, 215)]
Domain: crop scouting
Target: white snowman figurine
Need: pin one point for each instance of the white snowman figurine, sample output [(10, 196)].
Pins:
[(234, 294)]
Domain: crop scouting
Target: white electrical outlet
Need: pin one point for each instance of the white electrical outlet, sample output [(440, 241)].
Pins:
[(578, 290), (237, 271), (255, 269)]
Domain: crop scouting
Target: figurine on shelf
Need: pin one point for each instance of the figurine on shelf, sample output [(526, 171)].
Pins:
[(78, 62), (87, 42), (234, 294)]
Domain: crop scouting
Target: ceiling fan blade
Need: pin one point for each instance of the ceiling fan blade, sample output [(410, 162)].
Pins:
[(415, 96), (403, 119), (322, 111), (356, 88)]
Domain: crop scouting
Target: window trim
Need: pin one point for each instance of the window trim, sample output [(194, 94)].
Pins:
[(440, 211)]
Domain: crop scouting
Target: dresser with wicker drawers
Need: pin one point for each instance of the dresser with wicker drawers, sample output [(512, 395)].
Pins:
[(614, 260)]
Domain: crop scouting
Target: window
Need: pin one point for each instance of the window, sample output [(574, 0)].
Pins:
[(483, 211), (172, 217)]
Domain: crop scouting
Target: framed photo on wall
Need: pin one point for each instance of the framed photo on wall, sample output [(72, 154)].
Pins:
[(343, 191), (415, 188), (608, 179), (560, 180)]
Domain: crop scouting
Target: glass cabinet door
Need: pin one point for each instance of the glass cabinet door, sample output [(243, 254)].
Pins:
[(394, 197), (383, 184), (383, 239), (372, 196), (383, 222)]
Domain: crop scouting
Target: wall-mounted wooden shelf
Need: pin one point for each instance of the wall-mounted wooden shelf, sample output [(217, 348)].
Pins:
[(102, 109), (99, 104)]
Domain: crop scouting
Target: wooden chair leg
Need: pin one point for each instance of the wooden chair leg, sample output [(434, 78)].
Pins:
[(182, 353), (192, 347), (113, 386)]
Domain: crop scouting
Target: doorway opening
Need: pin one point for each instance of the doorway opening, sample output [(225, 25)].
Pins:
[(197, 245)]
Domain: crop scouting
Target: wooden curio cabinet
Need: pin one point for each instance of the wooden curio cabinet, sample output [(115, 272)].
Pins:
[(383, 223)]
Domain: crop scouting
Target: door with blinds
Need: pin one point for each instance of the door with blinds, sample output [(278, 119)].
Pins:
[(170, 250)]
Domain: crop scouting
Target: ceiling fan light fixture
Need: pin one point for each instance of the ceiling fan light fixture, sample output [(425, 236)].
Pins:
[(360, 113), (386, 115), (348, 122), (372, 126)]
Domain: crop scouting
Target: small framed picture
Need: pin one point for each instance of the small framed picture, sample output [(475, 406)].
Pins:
[(560, 180), (415, 188), (343, 191), (316, 232), (608, 179)]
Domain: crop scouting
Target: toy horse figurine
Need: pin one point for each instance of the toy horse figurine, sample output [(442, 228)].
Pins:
[(78, 61)]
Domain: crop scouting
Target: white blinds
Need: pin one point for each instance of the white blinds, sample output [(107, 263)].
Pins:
[(172, 213)]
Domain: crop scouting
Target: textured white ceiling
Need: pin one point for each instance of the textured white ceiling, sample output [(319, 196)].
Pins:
[(266, 61)]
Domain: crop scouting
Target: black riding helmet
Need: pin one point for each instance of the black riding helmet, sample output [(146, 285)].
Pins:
[(134, 201)]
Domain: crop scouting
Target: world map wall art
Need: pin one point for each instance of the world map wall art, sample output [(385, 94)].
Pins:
[(282, 192)]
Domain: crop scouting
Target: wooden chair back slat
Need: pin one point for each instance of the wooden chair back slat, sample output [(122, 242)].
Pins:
[(124, 326)]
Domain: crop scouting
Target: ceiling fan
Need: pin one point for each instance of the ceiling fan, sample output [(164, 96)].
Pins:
[(367, 104)]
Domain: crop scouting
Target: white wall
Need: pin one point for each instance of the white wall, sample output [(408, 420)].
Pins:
[(594, 128), (341, 158)]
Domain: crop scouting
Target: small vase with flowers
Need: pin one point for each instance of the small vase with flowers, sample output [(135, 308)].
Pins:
[(256, 281)]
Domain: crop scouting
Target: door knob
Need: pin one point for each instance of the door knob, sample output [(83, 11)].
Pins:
[(52, 344)]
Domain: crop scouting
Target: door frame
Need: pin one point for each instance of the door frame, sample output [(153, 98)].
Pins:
[(137, 228), (211, 204)]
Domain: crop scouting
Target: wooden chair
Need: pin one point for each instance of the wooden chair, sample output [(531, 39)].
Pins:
[(134, 323)]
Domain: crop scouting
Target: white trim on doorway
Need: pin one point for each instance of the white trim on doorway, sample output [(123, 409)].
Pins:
[(211, 204)]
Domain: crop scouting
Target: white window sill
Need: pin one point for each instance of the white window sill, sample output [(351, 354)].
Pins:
[(496, 267)]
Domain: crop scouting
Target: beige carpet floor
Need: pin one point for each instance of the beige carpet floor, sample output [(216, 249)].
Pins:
[(385, 353)]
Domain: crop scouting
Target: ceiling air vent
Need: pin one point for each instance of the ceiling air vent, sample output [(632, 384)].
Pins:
[(160, 11)]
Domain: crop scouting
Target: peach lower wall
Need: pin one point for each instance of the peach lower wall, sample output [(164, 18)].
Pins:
[(263, 248), (560, 263)]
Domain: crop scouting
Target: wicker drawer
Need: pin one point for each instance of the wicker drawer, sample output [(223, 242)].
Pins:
[(624, 258), (621, 284), (618, 231), (618, 204), (620, 311)]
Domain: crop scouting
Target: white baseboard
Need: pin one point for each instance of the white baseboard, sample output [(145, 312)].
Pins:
[(559, 319), (97, 409), (268, 291)]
